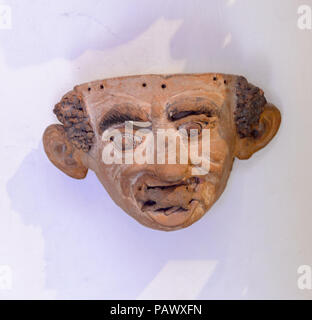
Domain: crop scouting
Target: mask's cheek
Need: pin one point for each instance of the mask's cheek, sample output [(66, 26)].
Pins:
[(209, 194), (219, 153), (197, 214), (221, 160), (118, 187), (110, 177)]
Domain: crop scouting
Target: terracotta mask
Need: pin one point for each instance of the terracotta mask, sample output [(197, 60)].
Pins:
[(219, 111)]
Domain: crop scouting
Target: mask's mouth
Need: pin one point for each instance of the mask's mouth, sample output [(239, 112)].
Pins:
[(168, 204)]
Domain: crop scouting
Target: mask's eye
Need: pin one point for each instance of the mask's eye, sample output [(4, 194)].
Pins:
[(126, 141), (191, 129)]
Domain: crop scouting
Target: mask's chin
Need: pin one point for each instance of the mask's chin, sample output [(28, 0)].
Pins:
[(170, 205)]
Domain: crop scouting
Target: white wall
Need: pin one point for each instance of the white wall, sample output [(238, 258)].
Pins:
[(62, 238)]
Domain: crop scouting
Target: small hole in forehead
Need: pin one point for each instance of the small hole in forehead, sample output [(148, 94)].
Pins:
[(214, 78), (89, 89), (163, 86), (101, 86), (144, 84)]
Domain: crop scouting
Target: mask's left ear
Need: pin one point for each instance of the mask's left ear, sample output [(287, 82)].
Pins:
[(62, 153), (269, 123)]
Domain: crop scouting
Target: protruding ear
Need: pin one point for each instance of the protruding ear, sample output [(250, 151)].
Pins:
[(269, 123), (62, 153)]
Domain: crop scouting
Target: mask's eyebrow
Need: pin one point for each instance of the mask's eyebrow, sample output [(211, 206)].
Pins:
[(185, 107), (120, 113)]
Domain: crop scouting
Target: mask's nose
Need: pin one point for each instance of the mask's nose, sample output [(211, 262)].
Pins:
[(163, 149), (171, 172)]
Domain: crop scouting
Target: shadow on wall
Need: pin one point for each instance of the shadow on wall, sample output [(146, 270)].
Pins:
[(92, 248), (59, 29)]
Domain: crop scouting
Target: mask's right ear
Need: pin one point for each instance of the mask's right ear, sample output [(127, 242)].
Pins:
[(269, 122), (62, 153)]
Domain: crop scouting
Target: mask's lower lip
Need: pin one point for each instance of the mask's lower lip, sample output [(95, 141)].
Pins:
[(173, 216), (170, 210), (152, 207)]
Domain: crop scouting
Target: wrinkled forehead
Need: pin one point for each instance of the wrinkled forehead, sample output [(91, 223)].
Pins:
[(152, 92)]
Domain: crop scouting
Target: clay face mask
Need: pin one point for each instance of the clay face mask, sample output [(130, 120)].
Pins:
[(162, 145)]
